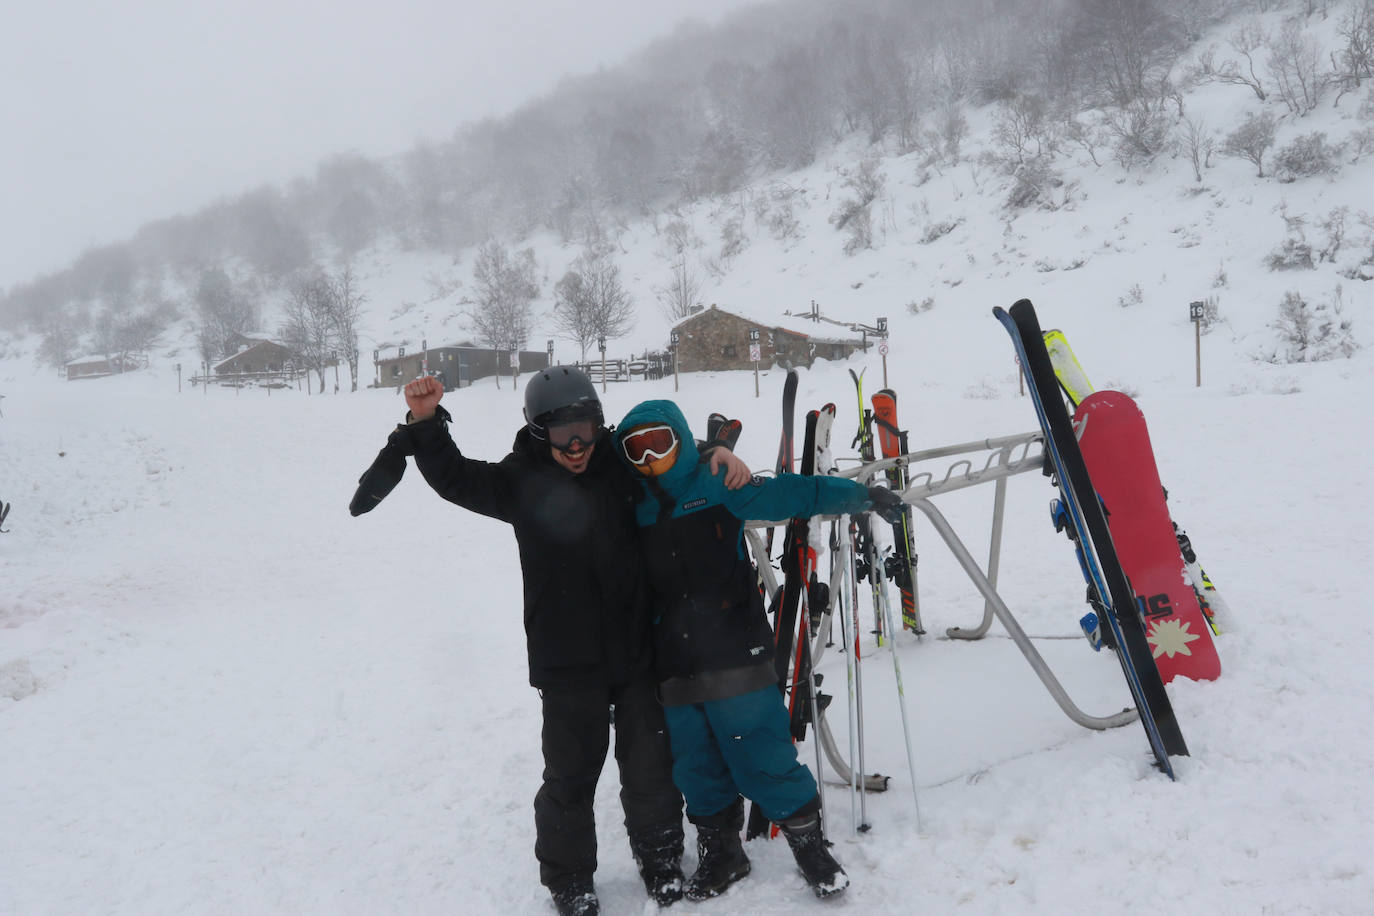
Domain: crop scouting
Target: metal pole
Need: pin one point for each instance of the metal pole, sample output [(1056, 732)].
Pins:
[(756, 378), (1197, 336), (851, 644), (890, 627)]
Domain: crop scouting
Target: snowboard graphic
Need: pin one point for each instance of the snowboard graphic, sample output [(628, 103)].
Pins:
[(1116, 448)]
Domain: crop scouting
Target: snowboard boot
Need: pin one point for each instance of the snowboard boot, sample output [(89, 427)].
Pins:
[(658, 852), (576, 897), (809, 847), (720, 854)]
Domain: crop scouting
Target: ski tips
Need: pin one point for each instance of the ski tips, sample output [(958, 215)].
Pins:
[(1020, 305)]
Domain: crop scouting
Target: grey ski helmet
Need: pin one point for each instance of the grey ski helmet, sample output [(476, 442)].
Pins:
[(560, 393)]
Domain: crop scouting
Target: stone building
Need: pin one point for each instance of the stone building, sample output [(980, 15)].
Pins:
[(714, 339)]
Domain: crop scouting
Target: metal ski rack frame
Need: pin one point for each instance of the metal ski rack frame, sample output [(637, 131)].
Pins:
[(1008, 456)]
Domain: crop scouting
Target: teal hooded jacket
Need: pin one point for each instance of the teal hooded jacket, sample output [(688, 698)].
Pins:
[(711, 634)]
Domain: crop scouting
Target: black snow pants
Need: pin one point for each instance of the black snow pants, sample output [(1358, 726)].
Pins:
[(575, 739)]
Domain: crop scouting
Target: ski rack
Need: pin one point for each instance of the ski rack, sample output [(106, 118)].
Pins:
[(1006, 456)]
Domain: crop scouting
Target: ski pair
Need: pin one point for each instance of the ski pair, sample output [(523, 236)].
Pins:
[(1093, 538), (792, 629), (900, 565), (867, 563), (1074, 382)]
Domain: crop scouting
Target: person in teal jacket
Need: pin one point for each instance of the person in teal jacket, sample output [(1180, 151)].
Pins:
[(713, 657)]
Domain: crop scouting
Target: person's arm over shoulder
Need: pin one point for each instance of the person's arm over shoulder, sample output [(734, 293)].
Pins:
[(795, 496)]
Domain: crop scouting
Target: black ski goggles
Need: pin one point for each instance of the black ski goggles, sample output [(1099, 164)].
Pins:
[(649, 444), (572, 435)]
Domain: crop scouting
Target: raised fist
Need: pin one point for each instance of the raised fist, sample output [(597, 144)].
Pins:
[(423, 395)]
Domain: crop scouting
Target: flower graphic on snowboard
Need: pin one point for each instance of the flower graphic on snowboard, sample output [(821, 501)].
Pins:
[(1171, 637)]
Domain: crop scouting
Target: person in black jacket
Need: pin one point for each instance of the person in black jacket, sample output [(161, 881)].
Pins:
[(571, 503)]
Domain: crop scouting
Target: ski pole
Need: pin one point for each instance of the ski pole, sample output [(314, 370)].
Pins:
[(901, 701), (842, 600), (853, 641)]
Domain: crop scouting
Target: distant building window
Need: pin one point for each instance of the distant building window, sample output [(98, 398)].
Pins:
[(728, 351), (395, 370)]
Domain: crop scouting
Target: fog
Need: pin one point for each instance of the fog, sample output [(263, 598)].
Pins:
[(116, 115)]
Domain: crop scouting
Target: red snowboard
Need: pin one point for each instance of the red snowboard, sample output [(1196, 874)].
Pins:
[(1116, 447)]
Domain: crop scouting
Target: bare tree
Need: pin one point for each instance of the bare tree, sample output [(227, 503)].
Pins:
[(679, 296), (1140, 128), (346, 310), (504, 286), (1252, 139), (855, 214), (308, 331), (1248, 39), (1197, 142), (1024, 129), (1294, 61), (1355, 62), (60, 340), (590, 302), (224, 311), (125, 338), (1129, 45)]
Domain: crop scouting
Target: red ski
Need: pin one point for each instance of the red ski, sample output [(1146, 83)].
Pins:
[(1116, 448), (900, 566)]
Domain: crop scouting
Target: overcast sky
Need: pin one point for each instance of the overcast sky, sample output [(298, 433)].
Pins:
[(118, 113)]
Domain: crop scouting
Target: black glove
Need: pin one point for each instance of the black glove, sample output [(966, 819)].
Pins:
[(386, 470), (887, 504)]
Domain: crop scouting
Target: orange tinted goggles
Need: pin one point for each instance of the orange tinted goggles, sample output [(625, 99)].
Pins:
[(648, 444)]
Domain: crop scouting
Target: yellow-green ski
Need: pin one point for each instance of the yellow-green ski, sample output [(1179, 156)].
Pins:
[(1071, 376)]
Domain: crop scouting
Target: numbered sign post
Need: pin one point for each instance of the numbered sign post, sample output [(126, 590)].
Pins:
[(514, 366), (601, 345), (882, 346), (673, 345), (550, 345), (754, 355), (1195, 313)]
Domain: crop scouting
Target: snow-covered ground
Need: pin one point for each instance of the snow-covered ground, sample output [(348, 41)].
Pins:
[(221, 694)]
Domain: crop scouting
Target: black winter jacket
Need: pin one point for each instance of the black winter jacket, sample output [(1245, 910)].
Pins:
[(586, 609)]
